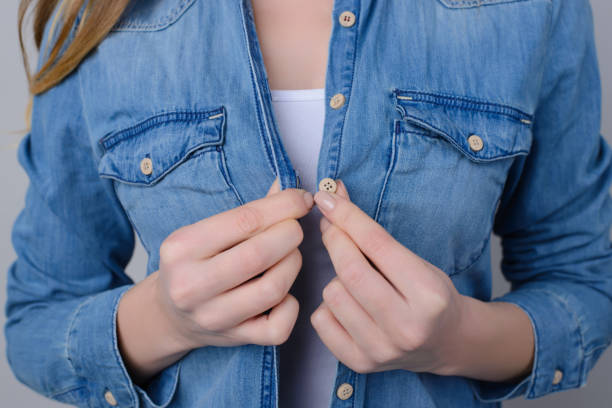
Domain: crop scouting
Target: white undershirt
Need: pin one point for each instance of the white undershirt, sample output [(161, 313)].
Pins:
[(307, 367)]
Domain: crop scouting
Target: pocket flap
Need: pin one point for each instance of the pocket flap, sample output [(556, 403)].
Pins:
[(504, 130), (165, 139)]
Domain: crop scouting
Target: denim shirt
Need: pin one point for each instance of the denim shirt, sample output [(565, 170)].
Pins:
[(448, 120)]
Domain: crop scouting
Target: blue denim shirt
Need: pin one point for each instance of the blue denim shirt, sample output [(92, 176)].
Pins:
[(182, 82)]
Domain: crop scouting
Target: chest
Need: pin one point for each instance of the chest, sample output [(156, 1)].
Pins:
[(427, 107), (294, 38)]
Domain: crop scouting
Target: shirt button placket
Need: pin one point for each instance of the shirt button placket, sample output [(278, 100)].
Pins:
[(344, 391), (344, 39), (347, 385)]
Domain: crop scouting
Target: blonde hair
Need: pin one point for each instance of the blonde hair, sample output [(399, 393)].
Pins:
[(98, 17)]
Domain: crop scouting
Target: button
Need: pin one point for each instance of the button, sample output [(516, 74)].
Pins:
[(146, 166), (558, 377), (475, 142), (110, 398), (337, 101), (327, 184), (347, 19), (344, 391)]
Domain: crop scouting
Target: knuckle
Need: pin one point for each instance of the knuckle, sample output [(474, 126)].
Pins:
[(272, 290), (316, 316), (278, 334), (297, 230), (180, 294), (248, 219), (353, 273), (381, 355), (330, 234), (380, 242), (296, 198), (171, 249), (440, 301), (213, 322), (331, 292), (296, 258), (254, 256), (410, 339)]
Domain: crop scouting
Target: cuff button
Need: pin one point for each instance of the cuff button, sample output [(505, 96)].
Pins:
[(557, 377)]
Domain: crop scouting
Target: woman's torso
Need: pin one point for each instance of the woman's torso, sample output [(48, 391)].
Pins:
[(428, 104), (294, 37)]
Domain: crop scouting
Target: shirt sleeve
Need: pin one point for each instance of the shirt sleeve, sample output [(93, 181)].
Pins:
[(73, 241), (554, 218)]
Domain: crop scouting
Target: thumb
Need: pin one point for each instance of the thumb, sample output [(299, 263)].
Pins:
[(274, 188)]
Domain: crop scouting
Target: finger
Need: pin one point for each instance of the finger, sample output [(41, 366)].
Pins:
[(392, 258), (253, 297), (351, 315), (365, 284), (341, 189), (272, 328), (336, 338), (247, 259), (214, 234), (274, 188)]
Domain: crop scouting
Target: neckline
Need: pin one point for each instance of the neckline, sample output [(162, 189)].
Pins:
[(307, 94)]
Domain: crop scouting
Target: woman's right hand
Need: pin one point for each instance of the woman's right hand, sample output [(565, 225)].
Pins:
[(208, 284), (207, 291)]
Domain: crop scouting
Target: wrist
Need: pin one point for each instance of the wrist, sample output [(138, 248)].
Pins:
[(452, 353), (146, 341), (493, 342), (178, 340)]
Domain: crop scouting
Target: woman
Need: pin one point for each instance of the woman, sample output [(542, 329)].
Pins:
[(424, 126)]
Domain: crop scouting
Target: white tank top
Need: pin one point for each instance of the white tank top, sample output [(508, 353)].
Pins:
[(307, 368)]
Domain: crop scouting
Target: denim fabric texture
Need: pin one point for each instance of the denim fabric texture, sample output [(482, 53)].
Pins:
[(182, 83)]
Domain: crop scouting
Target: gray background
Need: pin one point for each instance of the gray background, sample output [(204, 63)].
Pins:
[(13, 183)]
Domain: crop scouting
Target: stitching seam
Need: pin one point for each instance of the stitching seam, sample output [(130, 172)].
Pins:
[(108, 141), (464, 102), (128, 24)]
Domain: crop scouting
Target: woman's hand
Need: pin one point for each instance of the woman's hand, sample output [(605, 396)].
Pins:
[(208, 281), (400, 311), (207, 290)]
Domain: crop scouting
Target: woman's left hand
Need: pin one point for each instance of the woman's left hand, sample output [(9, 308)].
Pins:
[(397, 312)]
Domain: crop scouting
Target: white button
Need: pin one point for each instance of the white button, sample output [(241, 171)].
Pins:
[(327, 184), (558, 377), (475, 142), (347, 19), (344, 391), (146, 166), (337, 101), (110, 398)]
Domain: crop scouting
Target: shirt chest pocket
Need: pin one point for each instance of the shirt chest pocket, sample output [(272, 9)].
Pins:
[(449, 160), (168, 170)]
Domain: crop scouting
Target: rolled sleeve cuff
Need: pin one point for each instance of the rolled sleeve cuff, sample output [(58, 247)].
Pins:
[(93, 351), (558, 349)]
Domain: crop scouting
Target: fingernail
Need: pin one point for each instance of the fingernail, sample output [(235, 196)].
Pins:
[(325, 200), (308, 199), (324, 224)]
